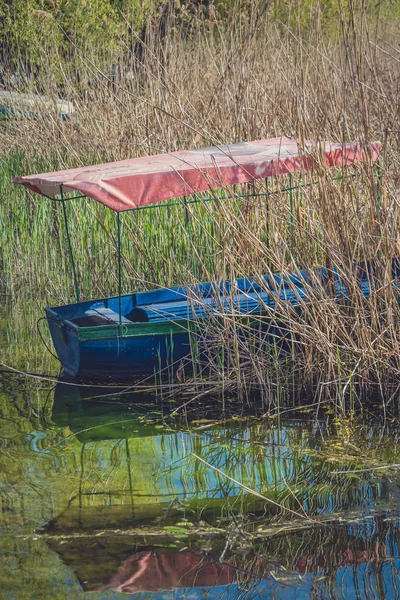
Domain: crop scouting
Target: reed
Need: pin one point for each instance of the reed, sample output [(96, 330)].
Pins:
[(244, 79)]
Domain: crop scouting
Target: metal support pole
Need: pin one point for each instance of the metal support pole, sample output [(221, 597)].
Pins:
[(129, 467), (76, 286), (291, 210), (119, 268), (378, 186), (190, 234), (267, 212), (378, 196)]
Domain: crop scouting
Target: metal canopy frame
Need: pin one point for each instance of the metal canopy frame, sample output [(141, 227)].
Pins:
[(187, 201)]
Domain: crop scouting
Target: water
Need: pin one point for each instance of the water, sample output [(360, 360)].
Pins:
[(104, 498)]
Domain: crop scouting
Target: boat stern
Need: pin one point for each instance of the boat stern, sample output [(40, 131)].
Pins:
[(65, 341)]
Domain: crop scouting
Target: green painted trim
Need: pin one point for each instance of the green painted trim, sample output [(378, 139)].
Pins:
[(165, 328), (105, 332)]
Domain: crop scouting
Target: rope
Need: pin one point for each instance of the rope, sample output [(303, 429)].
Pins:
[(43, 340)]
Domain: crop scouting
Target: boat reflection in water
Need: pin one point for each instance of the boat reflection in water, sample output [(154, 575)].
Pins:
[(101, 533), (147, 516)]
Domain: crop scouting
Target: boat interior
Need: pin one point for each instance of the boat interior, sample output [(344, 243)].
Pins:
[(243, 295)]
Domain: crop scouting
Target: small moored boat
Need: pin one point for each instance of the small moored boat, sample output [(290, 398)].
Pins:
[(17, 104), (148, 332)]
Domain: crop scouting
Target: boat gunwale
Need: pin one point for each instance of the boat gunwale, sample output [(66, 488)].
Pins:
[(128, 330), (144, 329), (114, 330), (176, 325)]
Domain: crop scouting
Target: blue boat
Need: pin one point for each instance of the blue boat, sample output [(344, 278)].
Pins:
[(155, 332)]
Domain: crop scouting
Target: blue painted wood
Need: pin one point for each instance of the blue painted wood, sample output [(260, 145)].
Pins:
[(155, 335)]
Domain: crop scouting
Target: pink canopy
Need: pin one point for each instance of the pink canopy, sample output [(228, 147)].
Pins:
[(138, 182)]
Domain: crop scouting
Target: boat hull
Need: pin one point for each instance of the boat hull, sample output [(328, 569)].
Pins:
[(114, 354), (162, 332)]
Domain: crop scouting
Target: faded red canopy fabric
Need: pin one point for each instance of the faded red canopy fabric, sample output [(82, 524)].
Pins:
[(157, 571), (138, 182)]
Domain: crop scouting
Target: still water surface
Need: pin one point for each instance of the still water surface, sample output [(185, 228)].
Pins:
[(101, 499)]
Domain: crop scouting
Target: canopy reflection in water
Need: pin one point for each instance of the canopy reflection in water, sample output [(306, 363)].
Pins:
[(341, 562)]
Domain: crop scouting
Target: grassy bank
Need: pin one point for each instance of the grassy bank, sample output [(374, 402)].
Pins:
[(252, 79)]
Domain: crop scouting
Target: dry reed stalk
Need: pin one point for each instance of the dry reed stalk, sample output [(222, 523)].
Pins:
[(221, 85)]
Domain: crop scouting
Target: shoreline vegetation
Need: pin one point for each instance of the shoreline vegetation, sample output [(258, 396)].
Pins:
[(184, 77)]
